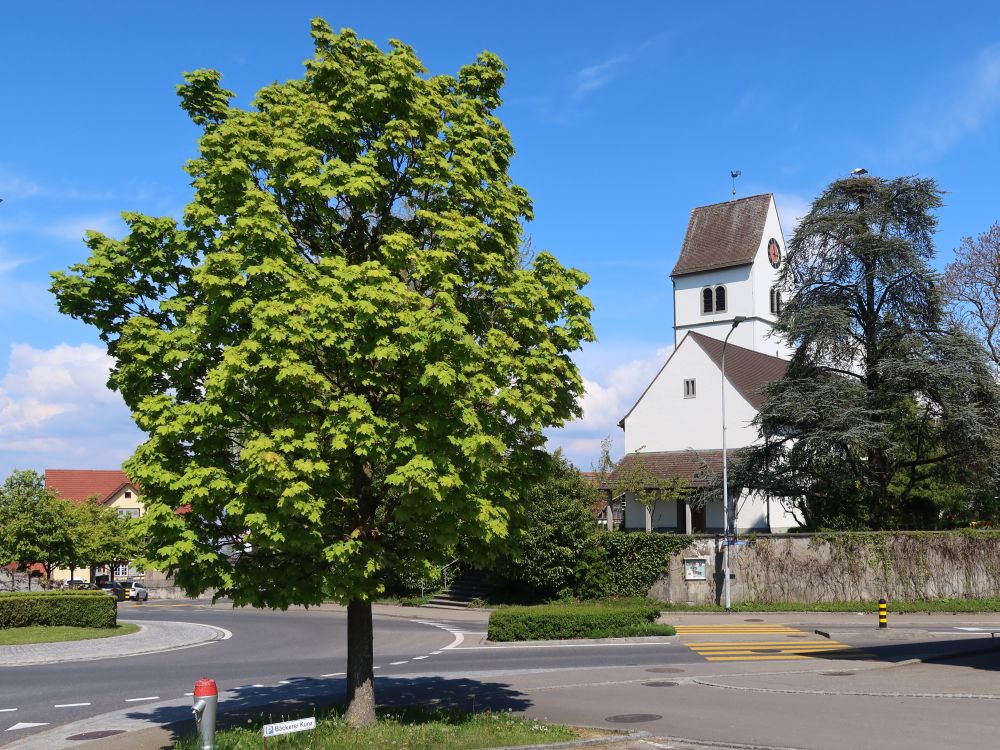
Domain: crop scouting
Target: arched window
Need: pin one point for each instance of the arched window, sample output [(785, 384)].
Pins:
[(775, 300), (720, 299), (707, 303)]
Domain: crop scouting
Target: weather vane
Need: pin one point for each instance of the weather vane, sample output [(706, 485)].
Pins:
[(734, 174)]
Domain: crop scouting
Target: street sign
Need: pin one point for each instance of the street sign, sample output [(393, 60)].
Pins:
[(289, 727)]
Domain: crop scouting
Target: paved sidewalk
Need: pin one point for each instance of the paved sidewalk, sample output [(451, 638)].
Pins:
[(152, 637)]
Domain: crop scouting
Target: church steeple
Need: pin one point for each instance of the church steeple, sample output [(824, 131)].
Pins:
[(728, 266)]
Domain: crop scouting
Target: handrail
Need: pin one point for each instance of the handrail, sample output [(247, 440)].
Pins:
[(444, 572)]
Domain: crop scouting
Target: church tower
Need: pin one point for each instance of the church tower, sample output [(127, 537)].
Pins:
[(729, 266)]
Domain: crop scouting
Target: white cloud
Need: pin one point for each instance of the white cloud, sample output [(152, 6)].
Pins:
[(594, 77), (14, 187), (609, 394), (959, 106), (56, 410), (73, 229)]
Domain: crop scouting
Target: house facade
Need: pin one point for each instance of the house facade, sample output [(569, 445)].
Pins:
[(111, 488), (727, 269)]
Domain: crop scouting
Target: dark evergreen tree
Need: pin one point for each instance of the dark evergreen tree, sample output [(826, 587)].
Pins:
[(884, 399)]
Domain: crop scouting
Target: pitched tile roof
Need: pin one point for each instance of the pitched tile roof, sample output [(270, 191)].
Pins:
[(80, 484), (685, 464), (747, 370), (723, 235)]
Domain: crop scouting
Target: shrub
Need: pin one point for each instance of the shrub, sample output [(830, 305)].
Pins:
[(556, 554), (572, 620), (84, 609), (635, 560)]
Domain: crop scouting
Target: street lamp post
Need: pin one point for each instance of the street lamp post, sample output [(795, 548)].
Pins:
[(725, 470)]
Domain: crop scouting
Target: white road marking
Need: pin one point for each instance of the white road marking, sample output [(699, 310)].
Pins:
[(69, 705), (435, 653), (376, 667), (188, 694), (417, 658), (284, 682), (27, 725), (146, 698), (397, 663), (333, 674), (6, 710)]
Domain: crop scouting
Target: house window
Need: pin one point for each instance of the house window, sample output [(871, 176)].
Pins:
[(129, 512), (121, 571), (775, 300), (713, 299), (128, 494), (689, 388)]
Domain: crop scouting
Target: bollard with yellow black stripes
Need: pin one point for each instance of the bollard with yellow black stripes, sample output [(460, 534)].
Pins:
[(883, 614)]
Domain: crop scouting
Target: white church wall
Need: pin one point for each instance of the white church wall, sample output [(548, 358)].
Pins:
[(763, 277), (664, 514), (664, 420), (739, 301)]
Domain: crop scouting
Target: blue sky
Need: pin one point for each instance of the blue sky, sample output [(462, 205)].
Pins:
[(624, 116)]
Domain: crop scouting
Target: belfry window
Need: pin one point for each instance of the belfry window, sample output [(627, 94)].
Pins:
[(707, 300), (713, 299), (775, 300)]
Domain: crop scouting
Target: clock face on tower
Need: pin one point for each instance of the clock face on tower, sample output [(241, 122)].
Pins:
[(774, 252)]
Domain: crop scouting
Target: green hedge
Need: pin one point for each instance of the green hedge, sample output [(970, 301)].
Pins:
[(84, 609), (572, 620)]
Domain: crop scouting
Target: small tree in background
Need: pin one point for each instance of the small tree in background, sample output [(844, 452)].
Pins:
[(34, 524), (972, 287)]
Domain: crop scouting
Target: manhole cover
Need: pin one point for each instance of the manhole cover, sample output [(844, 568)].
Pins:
[(664, 670), (632, 718), (838, 674), (753, 619), (96, 735), (660, 683)]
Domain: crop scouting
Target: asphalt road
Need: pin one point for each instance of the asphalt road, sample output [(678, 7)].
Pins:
[(739, 686)]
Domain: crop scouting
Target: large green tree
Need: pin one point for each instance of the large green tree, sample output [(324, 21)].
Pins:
[(341, 353), (883, 399)]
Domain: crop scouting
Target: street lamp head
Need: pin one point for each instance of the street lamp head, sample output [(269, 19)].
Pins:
[(738, 319)]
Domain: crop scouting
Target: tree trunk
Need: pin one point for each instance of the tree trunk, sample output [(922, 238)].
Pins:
[(360, 675)]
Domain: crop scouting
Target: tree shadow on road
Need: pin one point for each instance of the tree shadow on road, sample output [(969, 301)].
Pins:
[(302, 696)]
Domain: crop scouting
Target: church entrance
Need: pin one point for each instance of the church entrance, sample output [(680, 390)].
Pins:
[(697, 519)]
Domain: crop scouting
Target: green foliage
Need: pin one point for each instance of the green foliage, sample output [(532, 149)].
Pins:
[(101, 537), (557, 553), (573, 620), (34, 524), (636, 561), (84, 609), (886, 404), (339, 355)]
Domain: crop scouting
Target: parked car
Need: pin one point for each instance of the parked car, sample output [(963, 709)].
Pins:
[(114, 588), (87, 587), (137, 591)]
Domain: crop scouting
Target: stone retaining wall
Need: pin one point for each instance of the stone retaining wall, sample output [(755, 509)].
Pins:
[(841, 567)]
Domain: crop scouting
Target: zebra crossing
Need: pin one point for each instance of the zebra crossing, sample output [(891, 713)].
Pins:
[(750, 649)]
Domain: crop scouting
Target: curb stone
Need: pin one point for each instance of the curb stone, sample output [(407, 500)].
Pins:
[(611, 739)]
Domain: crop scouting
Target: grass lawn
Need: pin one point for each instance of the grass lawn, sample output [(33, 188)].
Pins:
[(55, 633), (410, 728), (899, 606)]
